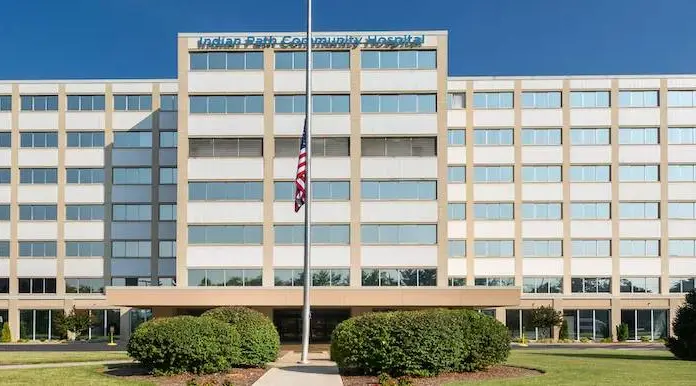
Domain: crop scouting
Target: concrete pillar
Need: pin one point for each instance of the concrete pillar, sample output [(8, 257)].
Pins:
[(13, 319), (125, 325), (615, 317)]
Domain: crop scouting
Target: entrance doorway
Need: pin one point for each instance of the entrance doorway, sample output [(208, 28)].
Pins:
[(322, 323)]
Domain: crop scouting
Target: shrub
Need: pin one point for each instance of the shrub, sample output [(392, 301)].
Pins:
[(585, 340), (683, 343), (6, 336), (546, 318), (606, 340), (419, 343), (563, 331), (185, 344), (77, 322), (622, 332), (260, 341)]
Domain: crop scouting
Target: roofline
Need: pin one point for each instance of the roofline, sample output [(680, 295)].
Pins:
[(561, 77), (247, 33), (88, 81)]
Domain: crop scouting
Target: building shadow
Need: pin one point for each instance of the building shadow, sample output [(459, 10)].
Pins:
[(619, 355), (312, 368)]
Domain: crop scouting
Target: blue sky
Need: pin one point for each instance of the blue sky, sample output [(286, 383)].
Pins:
[(49, 39)]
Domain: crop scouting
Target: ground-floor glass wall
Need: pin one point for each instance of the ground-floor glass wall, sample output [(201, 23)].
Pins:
[(3, 318), (646, 324), (104, 320), (589, 324), (39, 325), (138, 316), (521, 320)]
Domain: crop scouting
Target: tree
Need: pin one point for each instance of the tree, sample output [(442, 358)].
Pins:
[(6, 336), (76, 322), (563, 332), (546, 318), (683, 343)]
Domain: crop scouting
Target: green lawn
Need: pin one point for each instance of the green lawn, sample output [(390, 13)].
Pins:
[(600, 366), (29, 357), (84, 375)]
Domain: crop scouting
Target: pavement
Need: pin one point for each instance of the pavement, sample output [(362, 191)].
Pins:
[(287, 371), (64, 364), (585, 346)]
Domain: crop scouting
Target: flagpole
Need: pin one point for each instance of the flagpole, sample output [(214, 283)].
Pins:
[(308, 193)]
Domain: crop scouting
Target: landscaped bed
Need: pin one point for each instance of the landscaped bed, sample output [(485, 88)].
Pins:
[(135, 374), (495, 372)]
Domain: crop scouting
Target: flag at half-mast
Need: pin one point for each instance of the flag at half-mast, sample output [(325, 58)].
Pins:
[(301, 177)]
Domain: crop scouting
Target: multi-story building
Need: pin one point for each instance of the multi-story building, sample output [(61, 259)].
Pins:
[(146, 198)]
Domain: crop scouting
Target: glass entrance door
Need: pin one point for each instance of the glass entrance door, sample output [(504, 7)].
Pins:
[(322, 323)]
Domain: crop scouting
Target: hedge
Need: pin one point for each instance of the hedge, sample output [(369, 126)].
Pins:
[(419, 343), (260, 341), (185, 344)]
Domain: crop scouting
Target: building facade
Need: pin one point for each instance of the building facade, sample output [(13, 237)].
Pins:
[(143, 198)]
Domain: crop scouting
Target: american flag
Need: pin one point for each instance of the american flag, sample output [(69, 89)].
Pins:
[(301, 177)]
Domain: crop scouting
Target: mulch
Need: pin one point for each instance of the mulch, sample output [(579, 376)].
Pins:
[(236, 377), (495, 372)]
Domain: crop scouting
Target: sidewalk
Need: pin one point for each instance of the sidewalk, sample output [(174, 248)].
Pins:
[(64, 364), (286, 371)]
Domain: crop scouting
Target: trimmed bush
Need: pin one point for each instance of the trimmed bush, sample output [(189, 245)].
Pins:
[(6, 336), (683, 343), (260, 341), (622, 332), (185, 344), (419, 343)]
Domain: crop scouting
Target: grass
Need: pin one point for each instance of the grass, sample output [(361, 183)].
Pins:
[(600, 366), (83, 375), (31, 357)]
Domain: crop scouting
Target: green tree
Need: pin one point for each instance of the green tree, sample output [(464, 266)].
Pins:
[(76, 322), (563, 332), (622, 332), (6, 336), (683, 343), (546, 318)]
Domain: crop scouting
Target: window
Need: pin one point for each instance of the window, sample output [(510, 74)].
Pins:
[(503, 281), (399, 147), (399, 277), (4, 288), (226, 147), (84, 212), (225, 277), (456, 281), (681, 98), (321, 147), (541, 137), (493, 100), (638, 173), (493, 137), (324, 60), (542, 285), (639, 248), (456, 211), (493, 211), (167, 212), (320, 277), (542, 248), (132, 176), (5, 175), (591, 248), (590, 211), (398, 103), (589, 173), (37, 248), (131, 282), (681, 173), (329, 234), (38, 285), (589, 137), (226, 191), (647, 98), (321, 190), (289, 104), (681, 284), (168, 139), (132, 212), (252, 60), (386, 190), (638, 136), (590, 284), (86, 139), (38, 212), (398, 234), (542, 173), (398, 59), (230, 104), (167, 249), (39, 102), (541, 99), (137, 249), (132, 102), (640, 285), (225, 234), (456, 137), (456, 174), (132, 139), (84, 248), (681, 210), (5, 212), (39, 139), (38, 176), (84, 176), (589, 99), (456, 100), (86, 103), (494, 248), (5, 102), (456, 248), (541, 211), (169, 102), (682, 248), (681, 135), (84, 286), (496, 174), (167, 176), (639, 210), (5, 139)]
